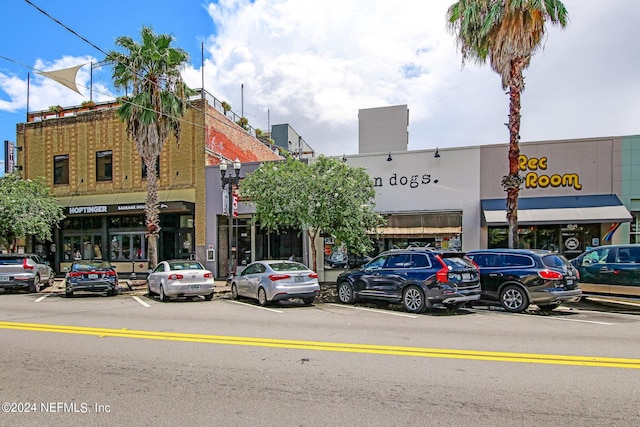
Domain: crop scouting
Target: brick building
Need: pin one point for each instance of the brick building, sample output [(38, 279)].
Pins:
[(95, 172)]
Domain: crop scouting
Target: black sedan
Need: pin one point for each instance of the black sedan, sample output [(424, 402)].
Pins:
[(91, 276), (518, 277)]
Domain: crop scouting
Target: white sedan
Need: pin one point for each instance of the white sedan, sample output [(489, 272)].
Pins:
[(180, 278), (275, 280)]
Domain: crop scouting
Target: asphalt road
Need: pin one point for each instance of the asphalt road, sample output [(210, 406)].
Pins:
[(129, 360)]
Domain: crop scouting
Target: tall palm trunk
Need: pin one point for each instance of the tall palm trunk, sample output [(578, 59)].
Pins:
[(152, 213), (513, 181)]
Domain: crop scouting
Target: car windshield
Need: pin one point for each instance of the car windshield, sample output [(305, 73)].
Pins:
[(90, 266), (186, 265), (288, 266), (554, 261)]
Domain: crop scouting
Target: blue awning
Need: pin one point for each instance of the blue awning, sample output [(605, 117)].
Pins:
[(597, 208)]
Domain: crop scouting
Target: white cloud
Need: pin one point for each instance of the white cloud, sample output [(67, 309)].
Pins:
[(315, 64)]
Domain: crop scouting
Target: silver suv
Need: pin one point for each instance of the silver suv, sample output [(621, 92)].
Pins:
[(24, 271)]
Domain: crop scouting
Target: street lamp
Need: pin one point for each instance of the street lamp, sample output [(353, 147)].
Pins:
[(230, 181)]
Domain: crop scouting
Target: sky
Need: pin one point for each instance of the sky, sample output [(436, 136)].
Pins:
[(314, 64)]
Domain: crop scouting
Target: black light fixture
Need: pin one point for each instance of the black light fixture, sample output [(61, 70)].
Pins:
[(389, 158), (437, 155), (229, 181), (344, 159)]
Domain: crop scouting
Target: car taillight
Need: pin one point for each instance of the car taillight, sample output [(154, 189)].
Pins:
[(208, 275), (74, 274), (313, 275), (550, 275), (26, 265), (275, 277), (110, 273), (442, 275), (176, 277)]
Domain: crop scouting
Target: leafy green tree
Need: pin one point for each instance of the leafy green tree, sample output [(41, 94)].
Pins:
[(326, 196), (26, 208), (151, 70), (509, 33)]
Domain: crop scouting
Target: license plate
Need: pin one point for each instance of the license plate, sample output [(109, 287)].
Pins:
[(569, 282), (92, 276), (194, 287), (5, 279), (299, 279), (466, 276)]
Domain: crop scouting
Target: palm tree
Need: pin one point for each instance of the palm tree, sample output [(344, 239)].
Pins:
[(508, 32), (151, 70)]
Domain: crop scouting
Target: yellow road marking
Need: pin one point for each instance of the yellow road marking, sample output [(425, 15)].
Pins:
[(552, 359)]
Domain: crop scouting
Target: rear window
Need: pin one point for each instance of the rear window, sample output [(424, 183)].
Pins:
[(288, 266), (89, 266), (554, 261), (456, 263), (186, 265)]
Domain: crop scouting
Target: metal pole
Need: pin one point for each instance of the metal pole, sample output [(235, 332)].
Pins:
[(230, 207)]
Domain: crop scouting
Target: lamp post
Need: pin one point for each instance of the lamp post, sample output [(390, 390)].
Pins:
[(230, 181)]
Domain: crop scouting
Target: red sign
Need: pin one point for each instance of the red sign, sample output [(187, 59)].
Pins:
[(234, 206)]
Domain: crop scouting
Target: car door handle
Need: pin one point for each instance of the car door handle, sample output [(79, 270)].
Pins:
[(495, 274)]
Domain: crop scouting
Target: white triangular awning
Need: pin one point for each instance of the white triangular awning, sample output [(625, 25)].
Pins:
[(66, 77)]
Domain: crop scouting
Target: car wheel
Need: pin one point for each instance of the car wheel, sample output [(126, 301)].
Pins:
[(262, 297), (112, 293), (150, 294), (208, 297), (163, 297), (346, 294), (35, 287), (514, 299), (413, 299), (308, 301), (68, 294), (548, 307), (234, 291)]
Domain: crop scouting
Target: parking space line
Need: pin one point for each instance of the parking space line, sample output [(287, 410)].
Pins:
[(141, 301), (375, 311), (580, 321), (254, 306), (42, 298)]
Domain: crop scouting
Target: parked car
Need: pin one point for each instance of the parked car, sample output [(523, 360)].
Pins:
[(517, 278), (276, 280), (180, 278), (91, 276), (610, 270), (24, 271), (419, 278)]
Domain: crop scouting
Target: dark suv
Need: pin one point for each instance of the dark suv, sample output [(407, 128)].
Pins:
[(519, 277), (420, 278), (610, 270)]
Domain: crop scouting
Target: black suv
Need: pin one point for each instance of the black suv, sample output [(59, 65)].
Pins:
[(519, 277), (420, 278), (610, 270)]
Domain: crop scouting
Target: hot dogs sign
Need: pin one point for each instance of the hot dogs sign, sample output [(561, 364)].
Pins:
[(536, 178)]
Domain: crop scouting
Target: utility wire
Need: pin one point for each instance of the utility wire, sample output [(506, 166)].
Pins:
[(180, 119)]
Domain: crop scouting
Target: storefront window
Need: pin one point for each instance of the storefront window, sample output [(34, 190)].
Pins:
[(569, 239), (79, 247), (634, 233), (128, 246)]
